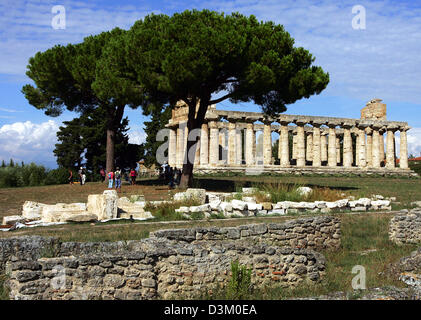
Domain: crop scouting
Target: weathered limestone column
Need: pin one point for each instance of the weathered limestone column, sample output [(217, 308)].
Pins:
[(332, 158), (381, 146), (186, 136), (376, 148), (172, 148), (238, 144), (213, 143), (204, 145), (403, 162), (369, 147), (197, 154), (323, 146), (250, 145), (223, 144), (283, 151), (317, 160), (338, 150), (309, 146), (294, 144), (231, 144), (267, 143), (361, 148), (347, 146), (180, 146), (301, 153), (357, 149), (390, 147)]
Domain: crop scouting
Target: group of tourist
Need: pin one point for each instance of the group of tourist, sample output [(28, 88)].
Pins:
[(114, 177), (170, 175), (81, 176)]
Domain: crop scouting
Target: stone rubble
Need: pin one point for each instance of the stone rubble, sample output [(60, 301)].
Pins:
[(247, 206), (99, 207)]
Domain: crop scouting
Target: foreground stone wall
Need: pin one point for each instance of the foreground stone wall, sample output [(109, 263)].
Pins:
[(183, 263), (405, 227), (313, 232), (165, 270)]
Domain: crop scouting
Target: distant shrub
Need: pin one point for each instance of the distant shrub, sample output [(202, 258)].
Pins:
[(31, 175)]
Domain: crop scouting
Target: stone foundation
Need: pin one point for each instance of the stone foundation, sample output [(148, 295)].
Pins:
[(315, 232), (182, 263)]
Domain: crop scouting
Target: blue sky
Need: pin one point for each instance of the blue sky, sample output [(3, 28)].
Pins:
[(381, 61)]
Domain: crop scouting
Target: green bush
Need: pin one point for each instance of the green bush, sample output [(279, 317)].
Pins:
[(31, 175), (57, 176)]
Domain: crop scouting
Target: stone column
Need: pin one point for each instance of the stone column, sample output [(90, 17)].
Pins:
[(323, 146), (186, 136), (204, 145), (332, 158), (180, 146), (172, 148), (231, 144), (213, 143), (250, 145), (403, 161), (301, 153), (390, 148), (238, 145), (197, 153), (267, 143), (348, 156), (309, 146), (381, 146), (338, 150), (317, 160), (222, 143), (361, 148), (283, 145), (294, 144), (376, 148), (369, 147)]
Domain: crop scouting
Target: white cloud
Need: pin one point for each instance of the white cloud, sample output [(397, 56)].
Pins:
[(27, 141), (414, 142), (31, 142), (136, 135)]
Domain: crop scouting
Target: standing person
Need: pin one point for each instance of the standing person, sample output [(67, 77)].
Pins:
[(80, 175), (110, 179), (83, 176), (133, 175), (102, 173), (117, 177), (70, 176)]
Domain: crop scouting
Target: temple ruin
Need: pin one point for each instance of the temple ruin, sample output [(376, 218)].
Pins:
[(307, 144)]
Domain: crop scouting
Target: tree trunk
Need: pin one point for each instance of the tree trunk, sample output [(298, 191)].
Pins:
[(194, 122), (114, 118), (109, 164)]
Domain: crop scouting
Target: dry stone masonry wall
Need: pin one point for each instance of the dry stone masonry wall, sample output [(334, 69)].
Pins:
[(314, 232), (170, 264), (405, 227)]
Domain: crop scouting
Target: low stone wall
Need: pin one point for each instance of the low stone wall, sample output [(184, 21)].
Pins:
[(313, 232), (160, 268), (26, 247), (405, 227), (180, 263)]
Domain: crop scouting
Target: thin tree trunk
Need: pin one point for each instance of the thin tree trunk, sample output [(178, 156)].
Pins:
[(110, 150), (114, 118), (194, 122)]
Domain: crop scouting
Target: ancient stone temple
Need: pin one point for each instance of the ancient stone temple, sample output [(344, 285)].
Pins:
[(243, 141)]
